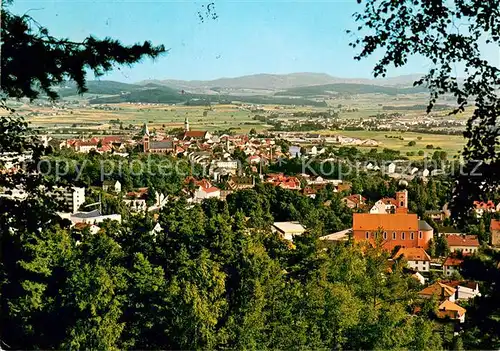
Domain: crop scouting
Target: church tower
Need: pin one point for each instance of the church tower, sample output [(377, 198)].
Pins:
[(145, 138), (186, 125), (402, 198)]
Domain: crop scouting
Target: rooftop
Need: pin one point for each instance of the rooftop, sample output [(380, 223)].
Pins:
[(438, 289), (413, 254), (374, 221), (289, 227), (452, 261), (423, 225), (462, 240)]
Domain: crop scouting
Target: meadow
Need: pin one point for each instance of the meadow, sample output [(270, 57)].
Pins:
[(84, 119)]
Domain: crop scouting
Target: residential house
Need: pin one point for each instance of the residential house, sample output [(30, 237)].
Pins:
[(354, 201), (451, 265), (464, 290), (291, 183), (495, 232), (255, 159), (399, 229), (436, 215), (112, 185), (416, 258), (439, 290), (391, 168), (86, 146), (288, 229), (462, 243), (203, 189), (239, 183), (392, 205), (220, 168), (449, 309), (481, 207), (136, 200), (202, 193)]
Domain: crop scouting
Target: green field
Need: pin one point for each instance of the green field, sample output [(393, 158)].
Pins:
[(85, 119), (452, 144)]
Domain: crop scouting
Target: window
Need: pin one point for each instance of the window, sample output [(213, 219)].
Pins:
[(393, 235), (412, 235), (385, 235), (420, 235), (403, 236), (368, 235)]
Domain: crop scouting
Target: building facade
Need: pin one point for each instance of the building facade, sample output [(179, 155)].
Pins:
[(399, 229)]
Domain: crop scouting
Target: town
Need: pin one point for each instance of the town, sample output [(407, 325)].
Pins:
[(220, 166), (238, 175)]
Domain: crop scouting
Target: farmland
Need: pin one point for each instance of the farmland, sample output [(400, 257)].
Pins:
[(85, 119)]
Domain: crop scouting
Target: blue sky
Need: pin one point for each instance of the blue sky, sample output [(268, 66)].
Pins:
[(248, 37)]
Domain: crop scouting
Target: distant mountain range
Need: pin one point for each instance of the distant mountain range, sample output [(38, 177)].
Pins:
[(287, 89), (281, 81)]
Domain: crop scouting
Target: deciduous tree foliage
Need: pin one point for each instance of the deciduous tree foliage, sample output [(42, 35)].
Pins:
[(449, 34), (57, 59)]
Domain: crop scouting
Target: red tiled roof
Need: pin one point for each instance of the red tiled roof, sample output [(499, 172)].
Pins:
[(194, 134), (455, 283), (389, 201), (450, 309), (111, 139), (87, 143), (452, 261), (490, 205), (397, 221), (343, 187), (413, 254), (203, 183), (462, 240), (105, 148), (212, 189), (438, 289), (356, 198)]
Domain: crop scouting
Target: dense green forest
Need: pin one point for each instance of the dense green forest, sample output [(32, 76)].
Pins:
[(213, 277)]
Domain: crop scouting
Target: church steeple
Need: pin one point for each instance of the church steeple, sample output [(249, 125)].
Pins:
[(145, 130), (145, 138), (186, 125)]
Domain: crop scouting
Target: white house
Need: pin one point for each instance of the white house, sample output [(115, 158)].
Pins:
[(203, 193), (136, 205), (465, 290), (113, 185), (416, 258), (451, 265), (288, 229), (391, 168)]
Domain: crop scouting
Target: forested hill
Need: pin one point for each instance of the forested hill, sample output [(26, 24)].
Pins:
[(105, 92), (108, 92)]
